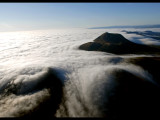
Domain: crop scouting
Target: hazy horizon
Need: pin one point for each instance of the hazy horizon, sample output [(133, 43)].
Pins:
[(37, 16)]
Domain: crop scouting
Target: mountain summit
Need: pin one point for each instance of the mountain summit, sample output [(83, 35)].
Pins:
[(112, 38), (117, 44)]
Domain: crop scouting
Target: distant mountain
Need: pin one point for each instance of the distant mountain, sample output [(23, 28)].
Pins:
[(128, 26), (150, 34), (117, 44)]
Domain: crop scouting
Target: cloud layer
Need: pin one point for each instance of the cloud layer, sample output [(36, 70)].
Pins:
[(26, 57)]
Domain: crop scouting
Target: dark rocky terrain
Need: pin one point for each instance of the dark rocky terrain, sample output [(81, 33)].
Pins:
[(117, 44), (136, 97), (150, 64)]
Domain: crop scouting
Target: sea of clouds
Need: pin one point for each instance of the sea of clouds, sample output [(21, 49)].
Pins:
[(26, 56)]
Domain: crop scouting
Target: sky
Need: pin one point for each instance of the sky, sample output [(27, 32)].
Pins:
[(30, 16)]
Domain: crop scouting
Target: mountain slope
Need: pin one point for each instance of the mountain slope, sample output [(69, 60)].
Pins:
[(117, 44)]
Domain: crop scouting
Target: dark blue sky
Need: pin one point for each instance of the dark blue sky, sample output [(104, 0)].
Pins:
[(28, 16)]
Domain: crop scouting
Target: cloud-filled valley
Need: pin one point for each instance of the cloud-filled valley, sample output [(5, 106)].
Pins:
[(43, 73)]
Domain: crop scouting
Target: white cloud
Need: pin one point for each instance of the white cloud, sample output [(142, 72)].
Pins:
[(26, 55)]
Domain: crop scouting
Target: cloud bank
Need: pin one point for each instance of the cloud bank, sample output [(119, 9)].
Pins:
[(87, 76)]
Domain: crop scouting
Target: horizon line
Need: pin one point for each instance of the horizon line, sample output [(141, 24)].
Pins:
[(129, 26)]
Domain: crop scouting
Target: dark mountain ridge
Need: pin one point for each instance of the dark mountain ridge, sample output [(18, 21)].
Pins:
[(117, 44), (112, 38)]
